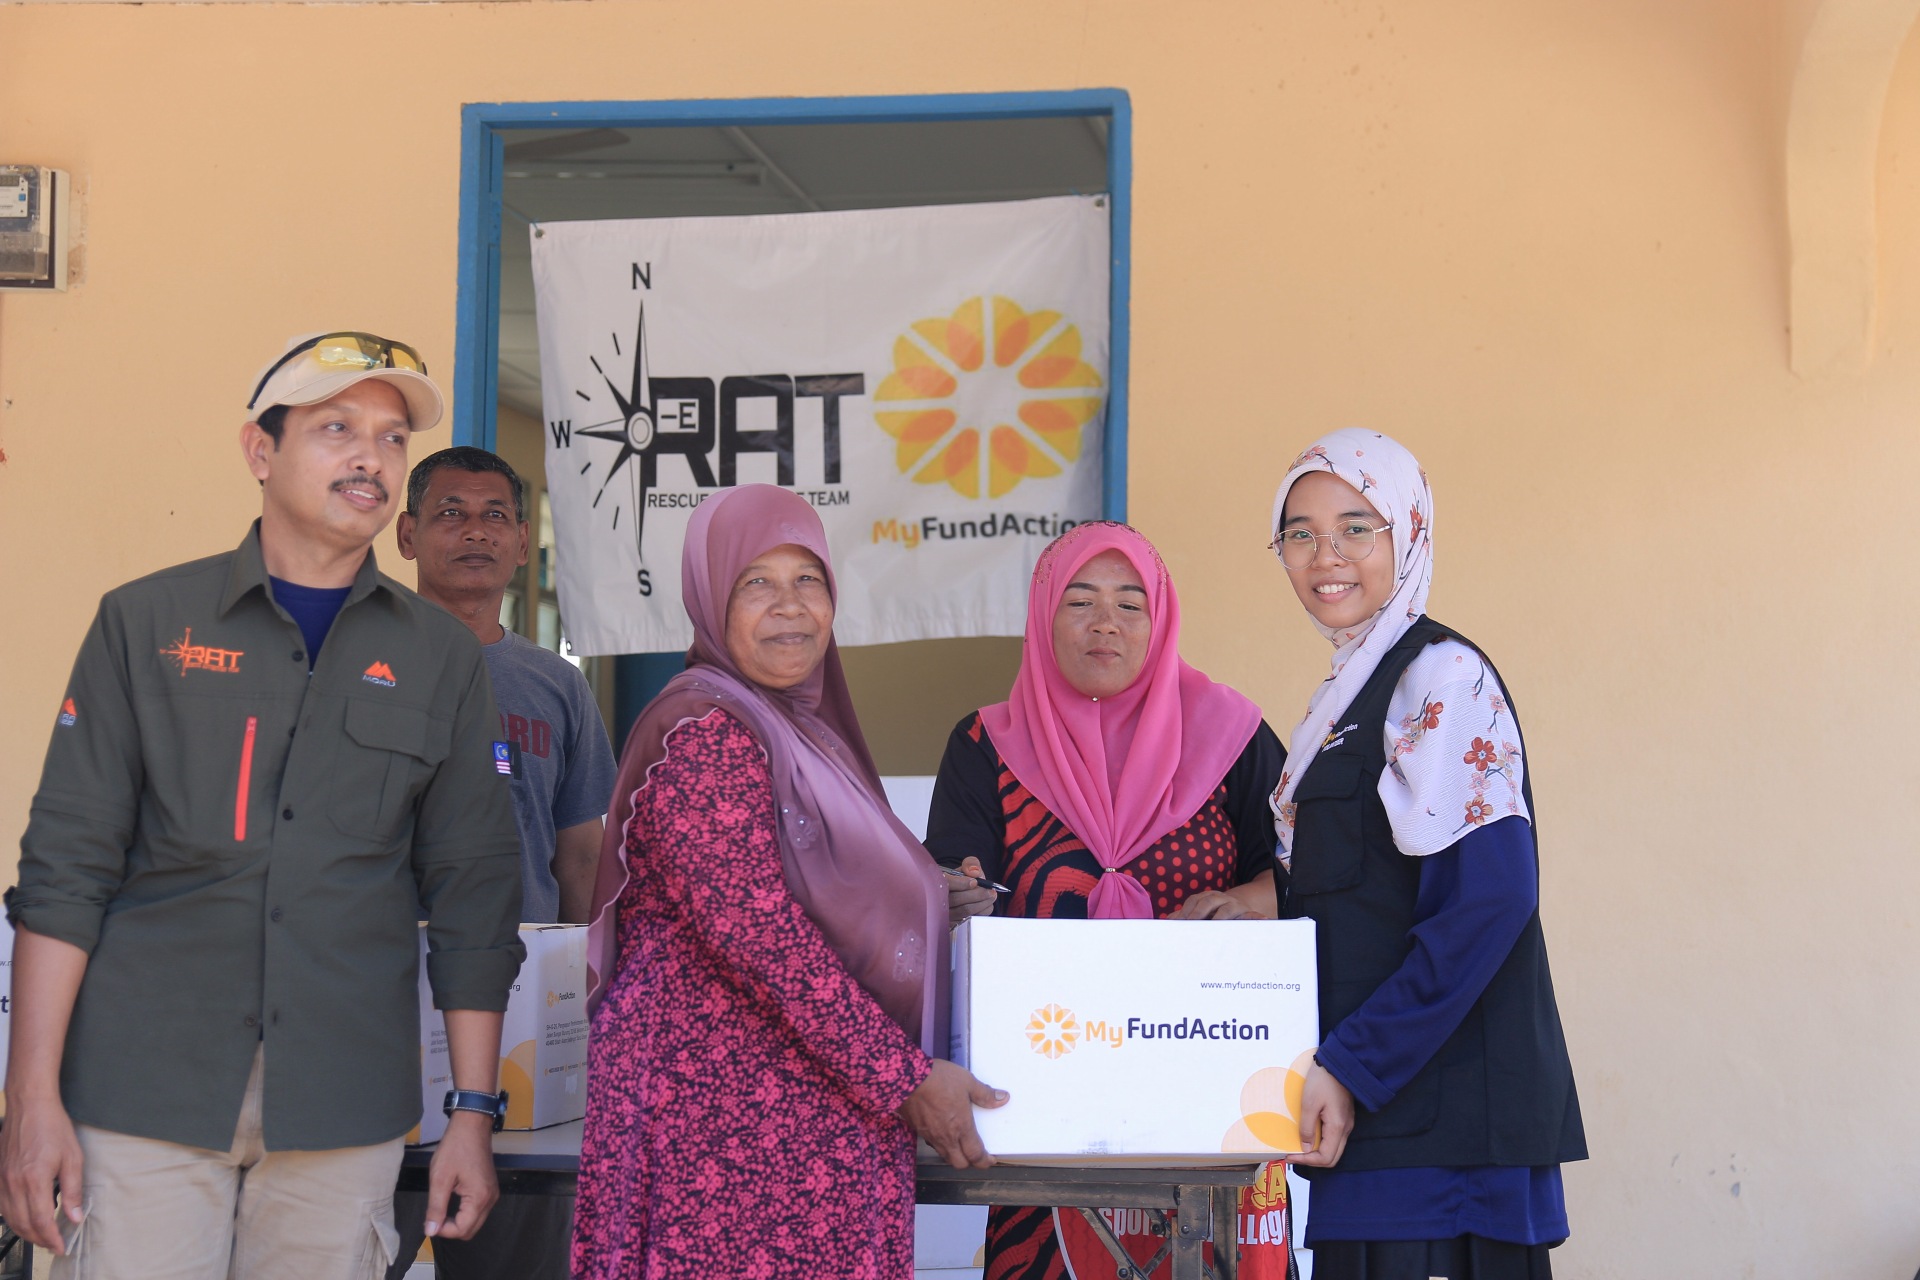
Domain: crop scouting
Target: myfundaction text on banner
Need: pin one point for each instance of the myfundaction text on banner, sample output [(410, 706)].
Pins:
[(1138, 1042)]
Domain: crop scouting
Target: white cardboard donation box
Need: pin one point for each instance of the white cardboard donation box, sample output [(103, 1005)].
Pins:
[(543, 1043), (543, 1047), (1147, 1042)]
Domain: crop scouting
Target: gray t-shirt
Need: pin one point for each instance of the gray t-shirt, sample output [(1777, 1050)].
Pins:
[(563, 764)]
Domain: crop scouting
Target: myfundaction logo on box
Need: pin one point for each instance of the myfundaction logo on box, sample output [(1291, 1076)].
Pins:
[(1054, 1032), (1193, 1029)]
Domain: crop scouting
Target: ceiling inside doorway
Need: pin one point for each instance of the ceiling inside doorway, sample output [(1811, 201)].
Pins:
[(569, 175)]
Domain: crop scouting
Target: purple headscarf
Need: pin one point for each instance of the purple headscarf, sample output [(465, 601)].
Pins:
[(855, 869)]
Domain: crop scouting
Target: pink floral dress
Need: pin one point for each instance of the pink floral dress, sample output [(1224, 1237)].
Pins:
[(741, 1097)]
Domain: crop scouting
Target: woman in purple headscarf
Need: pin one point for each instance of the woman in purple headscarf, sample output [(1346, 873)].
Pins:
[(767, 950)]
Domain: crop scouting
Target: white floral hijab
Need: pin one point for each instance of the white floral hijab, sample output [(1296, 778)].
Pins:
[(1389, 478)]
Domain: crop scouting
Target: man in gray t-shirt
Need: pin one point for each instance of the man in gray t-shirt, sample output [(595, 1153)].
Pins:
[(465, 524), (562, 772)]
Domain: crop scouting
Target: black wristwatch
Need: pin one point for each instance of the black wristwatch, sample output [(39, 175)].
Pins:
[(487, 1104)]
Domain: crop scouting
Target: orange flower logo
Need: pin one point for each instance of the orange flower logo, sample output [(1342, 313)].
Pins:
[(1270, 1105), (1430, 714), (983, 411), (1478, 811), (1481, 755), (1053, 1032)]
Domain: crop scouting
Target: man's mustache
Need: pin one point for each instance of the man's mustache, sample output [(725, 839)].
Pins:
[(361, 482)]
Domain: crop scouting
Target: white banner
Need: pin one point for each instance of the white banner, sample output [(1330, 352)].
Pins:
[(933, 380)]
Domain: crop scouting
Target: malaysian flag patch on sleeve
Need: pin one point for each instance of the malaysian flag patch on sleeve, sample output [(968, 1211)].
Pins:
[(506, 759)]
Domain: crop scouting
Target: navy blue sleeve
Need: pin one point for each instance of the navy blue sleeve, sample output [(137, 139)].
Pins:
[(1475, 898)]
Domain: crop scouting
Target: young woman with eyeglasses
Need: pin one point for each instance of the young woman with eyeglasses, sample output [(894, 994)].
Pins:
[(1441, 1104)]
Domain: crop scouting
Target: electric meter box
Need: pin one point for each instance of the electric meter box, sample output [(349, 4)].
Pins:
[(35, 210)]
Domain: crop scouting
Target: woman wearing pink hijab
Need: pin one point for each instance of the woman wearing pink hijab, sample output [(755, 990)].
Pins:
[(1115, 782), (767, 954)]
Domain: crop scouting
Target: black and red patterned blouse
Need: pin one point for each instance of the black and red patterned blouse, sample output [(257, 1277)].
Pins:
[(981, 810)]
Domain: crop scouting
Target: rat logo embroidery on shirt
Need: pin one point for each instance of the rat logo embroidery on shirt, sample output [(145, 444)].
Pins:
[(379, 673), (188, 656)]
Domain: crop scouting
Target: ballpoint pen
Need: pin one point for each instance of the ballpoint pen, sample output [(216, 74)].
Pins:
[(982, 881)]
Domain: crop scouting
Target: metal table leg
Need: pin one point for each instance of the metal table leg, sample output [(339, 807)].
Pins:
[(1186, 1230), (1182, 1201), (1124, 1265), (1226, 1232), (1192, 1207)]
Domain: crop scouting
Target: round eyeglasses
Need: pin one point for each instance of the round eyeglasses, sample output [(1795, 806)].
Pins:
[(1353, 540)]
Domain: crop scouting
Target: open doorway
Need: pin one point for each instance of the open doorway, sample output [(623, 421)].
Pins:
[(537, 163)]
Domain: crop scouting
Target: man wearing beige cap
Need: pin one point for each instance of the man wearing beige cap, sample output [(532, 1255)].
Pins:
[(265, 762)]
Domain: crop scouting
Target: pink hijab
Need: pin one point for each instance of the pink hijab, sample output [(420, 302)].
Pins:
[(856, 871), (1125, 771)]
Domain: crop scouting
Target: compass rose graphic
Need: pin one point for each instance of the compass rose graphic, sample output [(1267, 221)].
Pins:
[(633, 431)]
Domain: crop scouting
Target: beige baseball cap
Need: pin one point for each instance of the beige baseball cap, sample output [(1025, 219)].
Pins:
[(319, 366)]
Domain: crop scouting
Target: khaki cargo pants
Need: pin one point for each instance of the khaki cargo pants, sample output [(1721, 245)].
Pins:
[(160, 1211)]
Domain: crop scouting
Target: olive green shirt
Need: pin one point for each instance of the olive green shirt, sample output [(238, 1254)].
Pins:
[(238, 845)]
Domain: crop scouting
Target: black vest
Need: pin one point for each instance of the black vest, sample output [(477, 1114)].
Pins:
[(1500, 1090)]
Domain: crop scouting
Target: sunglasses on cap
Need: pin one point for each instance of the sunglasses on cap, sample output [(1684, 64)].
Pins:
[(347, 351)]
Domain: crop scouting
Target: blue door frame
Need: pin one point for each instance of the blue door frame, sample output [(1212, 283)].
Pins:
[(482, 162), (637, 677)]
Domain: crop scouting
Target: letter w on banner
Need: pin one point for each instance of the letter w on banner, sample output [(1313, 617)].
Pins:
[(933, 380)]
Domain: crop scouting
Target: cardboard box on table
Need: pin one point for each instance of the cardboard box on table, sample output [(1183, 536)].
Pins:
[(1157, 1043), (543, 1041)]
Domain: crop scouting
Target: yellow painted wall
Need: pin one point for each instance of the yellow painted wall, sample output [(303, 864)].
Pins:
[(1542, 241)]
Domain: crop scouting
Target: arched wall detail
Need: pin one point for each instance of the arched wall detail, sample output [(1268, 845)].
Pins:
[(1833, 138)]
